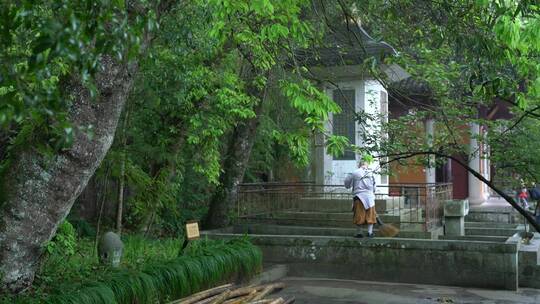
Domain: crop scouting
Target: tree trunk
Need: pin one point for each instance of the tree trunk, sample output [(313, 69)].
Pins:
[(122, 179), (120, 207), (39, 190), (101, 204), (233, 172), (238, 153)]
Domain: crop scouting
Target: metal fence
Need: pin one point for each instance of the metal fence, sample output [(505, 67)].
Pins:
[(414, 206)]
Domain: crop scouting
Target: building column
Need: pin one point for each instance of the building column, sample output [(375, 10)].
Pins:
[(486, 164), (476, 193), (430, 133)]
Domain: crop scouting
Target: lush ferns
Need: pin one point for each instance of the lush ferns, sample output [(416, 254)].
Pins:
[(202, 265)]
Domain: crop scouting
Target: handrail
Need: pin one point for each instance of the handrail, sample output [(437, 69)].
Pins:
[(413, 203)]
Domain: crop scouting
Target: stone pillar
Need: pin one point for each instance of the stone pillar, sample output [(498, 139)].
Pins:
[(486, 165), (430, 133), (476, 194), (454, 217)]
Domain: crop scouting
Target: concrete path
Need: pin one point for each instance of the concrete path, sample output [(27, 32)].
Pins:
[(328, 291)]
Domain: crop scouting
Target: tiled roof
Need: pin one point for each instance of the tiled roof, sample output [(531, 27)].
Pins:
[(411, 86), (345, 45)]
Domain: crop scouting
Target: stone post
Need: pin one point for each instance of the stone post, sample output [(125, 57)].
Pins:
[(454, 217), (430, 134)]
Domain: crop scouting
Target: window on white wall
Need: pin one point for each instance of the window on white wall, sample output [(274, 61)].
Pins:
[(343, 123)]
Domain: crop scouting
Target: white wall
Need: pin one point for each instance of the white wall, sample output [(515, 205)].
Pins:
[(367, 98), (372, 93)]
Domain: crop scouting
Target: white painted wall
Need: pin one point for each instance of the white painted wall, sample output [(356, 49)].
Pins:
[(367, 98), (372, 93)]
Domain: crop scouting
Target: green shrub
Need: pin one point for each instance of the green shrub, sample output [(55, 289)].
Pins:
[(64, 240), (83, 227)]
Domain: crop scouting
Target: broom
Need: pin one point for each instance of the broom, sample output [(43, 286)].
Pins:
[(386, 230)]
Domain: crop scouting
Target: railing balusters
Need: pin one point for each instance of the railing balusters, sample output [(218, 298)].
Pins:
[(417, 204)]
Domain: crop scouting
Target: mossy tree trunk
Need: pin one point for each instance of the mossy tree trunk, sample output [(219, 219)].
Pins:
[(234, 167), (39, 190), (236, 160)]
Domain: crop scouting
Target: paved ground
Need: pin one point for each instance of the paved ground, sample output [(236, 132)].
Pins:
[(328, 291)]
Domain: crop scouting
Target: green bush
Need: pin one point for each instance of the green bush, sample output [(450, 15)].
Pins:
[(64, 240), (83, 227)]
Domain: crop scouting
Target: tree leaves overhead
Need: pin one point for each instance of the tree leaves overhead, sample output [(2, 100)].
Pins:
[(45, 43)]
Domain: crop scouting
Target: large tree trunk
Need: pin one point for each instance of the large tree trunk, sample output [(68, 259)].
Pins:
[(235, 164), (233, 172), (39, 190)]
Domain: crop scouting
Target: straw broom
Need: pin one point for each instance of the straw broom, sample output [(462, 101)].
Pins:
[(386, 230)]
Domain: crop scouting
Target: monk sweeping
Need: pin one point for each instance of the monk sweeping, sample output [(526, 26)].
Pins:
[(362, 183)]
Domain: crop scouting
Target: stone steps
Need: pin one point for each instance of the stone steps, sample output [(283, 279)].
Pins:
[(342, 216), (505, 232), (480, 238), (497, 214), (490, 225), (326, 219), (342, 203), (310, 222), (269, 229)]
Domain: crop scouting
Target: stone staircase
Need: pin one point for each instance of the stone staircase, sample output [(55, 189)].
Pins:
[(314, 238), (335, 212), (503, 225)]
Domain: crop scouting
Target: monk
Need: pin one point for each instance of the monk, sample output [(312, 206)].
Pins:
[(362, 183)]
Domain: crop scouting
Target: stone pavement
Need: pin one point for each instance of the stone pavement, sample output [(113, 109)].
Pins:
[(328, 291)]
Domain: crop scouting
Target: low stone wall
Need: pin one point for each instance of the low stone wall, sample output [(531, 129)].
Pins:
[(444, 262)]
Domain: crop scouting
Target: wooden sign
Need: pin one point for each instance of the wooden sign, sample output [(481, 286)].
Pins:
[(192, 230)]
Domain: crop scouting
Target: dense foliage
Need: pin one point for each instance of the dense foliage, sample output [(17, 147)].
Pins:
[(42, 45)]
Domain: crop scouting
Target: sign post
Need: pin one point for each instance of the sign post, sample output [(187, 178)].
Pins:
[(192, 233), (192, 230)]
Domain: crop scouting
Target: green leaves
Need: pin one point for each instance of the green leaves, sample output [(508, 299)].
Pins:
[(64, 242), (298, 144), (309, 101), (43, 43), (262, 30), (508, 31), (336, 145), (262, 7)]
